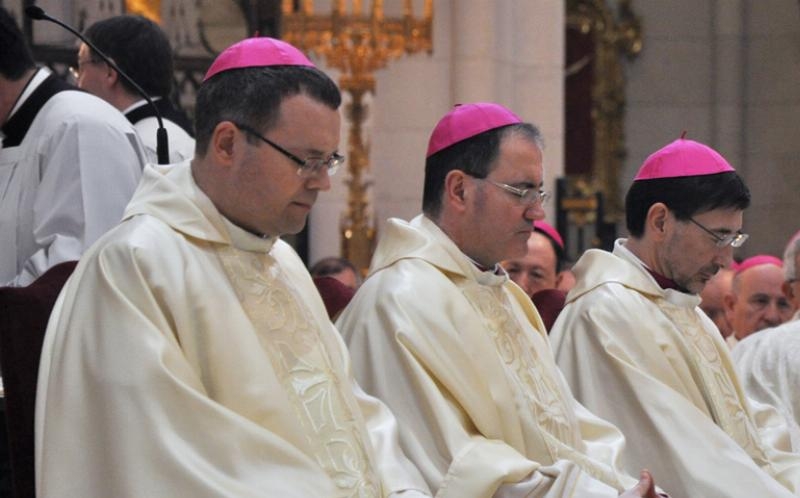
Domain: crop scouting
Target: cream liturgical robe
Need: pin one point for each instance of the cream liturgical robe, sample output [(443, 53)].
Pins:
[(769, 365), (69, 164), (651, 362), (462, 359), (187, 357)]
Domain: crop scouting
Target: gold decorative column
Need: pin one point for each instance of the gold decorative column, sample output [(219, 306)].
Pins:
[(357, 39), (614, 37)]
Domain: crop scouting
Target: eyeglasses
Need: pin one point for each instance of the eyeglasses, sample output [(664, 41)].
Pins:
[(75, 72), (306, 167), (732, 239), (525, 195)]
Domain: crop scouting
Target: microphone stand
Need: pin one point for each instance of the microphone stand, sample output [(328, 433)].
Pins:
[(162, 143)]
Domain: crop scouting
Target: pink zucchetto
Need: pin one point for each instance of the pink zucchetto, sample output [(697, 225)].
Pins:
[(466, 121), (550, 231), (761, 259), (257, 52), (683, 158)]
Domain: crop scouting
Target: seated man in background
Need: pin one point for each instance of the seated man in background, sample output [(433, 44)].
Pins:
[(69, 163), (713, 299), (637, 350), (756, 300), (339, 268), (440, 333), (190, 354), (769, 361), (142, 50), (540, 267), (539, 271), (791, 278)]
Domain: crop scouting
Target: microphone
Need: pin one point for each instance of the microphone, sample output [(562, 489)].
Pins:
[(162, 143)]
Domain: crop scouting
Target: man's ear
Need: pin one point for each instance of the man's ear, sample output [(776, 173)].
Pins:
[(226, 142), (728, 303), (658, 221), (456, 189), (111, 77), (788, 291)]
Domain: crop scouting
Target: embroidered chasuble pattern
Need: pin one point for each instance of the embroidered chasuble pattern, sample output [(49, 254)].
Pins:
[(300, 358), (722, 399), (557, 424)]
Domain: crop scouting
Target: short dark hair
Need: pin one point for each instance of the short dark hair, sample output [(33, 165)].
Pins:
[(684, 196), (140, 48), (253, 96), (15, 57), (474, 156), (331, 265)]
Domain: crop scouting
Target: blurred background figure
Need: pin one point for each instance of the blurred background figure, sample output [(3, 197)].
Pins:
[(337, 280), (142, 50), (540, 267), (756, 300), (713, 299), (339, 268), (69, 163), (542, 271), (791, 284)]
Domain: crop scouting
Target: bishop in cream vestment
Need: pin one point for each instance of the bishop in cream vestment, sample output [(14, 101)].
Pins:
[(650, 361), (187, 357), (461, 357)]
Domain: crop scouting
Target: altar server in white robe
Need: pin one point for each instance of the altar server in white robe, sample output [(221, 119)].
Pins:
[(637, 350), (190, 353), (142, 50), (457, 350), (69, 164)]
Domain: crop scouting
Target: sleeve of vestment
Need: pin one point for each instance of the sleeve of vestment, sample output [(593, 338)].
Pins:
[(397, 472), (623, 362), (407, 349), (88, 172)]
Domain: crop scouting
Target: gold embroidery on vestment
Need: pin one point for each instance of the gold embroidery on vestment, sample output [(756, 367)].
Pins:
[(289, 334)]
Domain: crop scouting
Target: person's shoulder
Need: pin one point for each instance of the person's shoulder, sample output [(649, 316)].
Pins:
[(781, 340), (76, 107), (141, 238)]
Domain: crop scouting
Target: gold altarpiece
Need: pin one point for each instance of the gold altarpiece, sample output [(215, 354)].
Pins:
[(598, 42), (357, 38)]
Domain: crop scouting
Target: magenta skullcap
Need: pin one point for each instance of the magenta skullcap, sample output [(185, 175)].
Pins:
[(257, 52), (683, 158), (549, 231), (467, 120), (761, 259)]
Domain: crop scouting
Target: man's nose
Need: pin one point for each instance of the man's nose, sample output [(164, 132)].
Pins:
[(772, 314), (320, 181), (535, 212)]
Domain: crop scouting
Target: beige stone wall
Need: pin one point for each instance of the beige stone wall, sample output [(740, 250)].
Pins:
[(507, 51), (728, 72)]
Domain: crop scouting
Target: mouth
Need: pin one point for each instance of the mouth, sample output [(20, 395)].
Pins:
[(304, 205)]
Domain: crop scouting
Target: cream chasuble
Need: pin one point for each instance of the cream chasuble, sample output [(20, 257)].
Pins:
[(769, 365), (187, 357), (461, 358), (648, 360)]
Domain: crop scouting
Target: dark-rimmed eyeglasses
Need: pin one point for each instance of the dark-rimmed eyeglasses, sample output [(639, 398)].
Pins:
[(525, 195), (731, 239), (306, 167)]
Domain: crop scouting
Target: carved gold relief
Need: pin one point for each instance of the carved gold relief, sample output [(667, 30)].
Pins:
[(612, 38)]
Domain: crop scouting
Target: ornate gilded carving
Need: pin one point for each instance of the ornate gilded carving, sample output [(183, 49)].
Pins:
[(358, 43), (613, 37)]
